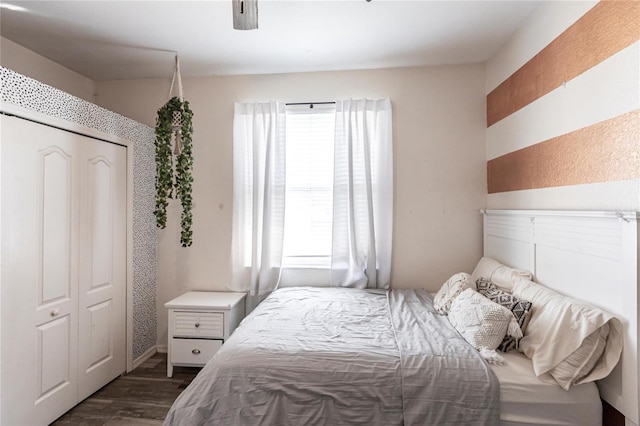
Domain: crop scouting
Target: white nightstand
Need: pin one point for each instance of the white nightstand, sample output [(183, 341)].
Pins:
[(199, 323)]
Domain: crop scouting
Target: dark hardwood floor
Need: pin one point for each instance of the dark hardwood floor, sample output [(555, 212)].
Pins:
[(142, 397)]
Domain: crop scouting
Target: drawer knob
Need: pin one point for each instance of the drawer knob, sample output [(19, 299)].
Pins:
[(54, 313), (196, 351), (197, 324)]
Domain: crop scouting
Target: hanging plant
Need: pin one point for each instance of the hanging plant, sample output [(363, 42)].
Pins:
[(184, 176), (174, 123)]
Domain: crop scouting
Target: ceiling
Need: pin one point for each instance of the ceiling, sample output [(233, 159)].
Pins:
[(111, 40)]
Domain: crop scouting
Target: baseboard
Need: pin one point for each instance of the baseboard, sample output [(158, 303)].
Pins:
[(162, 349), (145, 356)]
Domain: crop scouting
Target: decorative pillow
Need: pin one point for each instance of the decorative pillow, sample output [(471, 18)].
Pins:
[(564, 336), (521, 309), (499, 274), (449, 291), (480, 321)]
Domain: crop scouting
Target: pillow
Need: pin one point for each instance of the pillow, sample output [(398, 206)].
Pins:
[(576, 366), (521, 309), (449, 291), (564, 336), (499, 274), (480, 321)]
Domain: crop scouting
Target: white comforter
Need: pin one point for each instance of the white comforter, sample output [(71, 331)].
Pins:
[(310, 356)]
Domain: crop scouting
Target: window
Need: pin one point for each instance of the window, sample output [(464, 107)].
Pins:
[(312, 195), (309, 186)]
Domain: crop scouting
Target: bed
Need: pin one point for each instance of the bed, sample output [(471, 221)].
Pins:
[(347, 356), (342, 356)]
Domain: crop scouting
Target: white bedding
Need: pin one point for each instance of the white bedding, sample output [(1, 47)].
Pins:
[(338, 356), (527, 400)]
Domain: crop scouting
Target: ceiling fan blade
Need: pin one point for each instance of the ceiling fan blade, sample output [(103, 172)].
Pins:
[(245, 14)]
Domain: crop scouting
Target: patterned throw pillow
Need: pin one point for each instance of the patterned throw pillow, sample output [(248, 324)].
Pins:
[(449, 291), (521, 309), (480, 321)]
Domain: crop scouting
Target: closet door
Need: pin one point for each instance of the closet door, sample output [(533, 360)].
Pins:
[(63, 269), (103, 255), (39, 272)]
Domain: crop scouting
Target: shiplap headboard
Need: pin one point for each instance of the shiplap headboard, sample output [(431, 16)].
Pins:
[(588, 255)]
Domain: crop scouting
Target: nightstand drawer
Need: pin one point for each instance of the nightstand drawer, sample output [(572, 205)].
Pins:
[(193, 351), (198, 324)]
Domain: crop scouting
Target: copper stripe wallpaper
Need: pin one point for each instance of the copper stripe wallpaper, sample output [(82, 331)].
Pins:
[(607, 28), (606, 151)]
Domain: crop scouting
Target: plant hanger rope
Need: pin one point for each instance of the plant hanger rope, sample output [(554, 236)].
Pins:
[(174, 122), (176, 72)]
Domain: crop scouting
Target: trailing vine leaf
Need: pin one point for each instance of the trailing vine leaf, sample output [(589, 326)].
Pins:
[(164, 178), (165, 181), (184, 176)]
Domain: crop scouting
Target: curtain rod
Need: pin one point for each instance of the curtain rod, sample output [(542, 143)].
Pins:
[(311, 104)]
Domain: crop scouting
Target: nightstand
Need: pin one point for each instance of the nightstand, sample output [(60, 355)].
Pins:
[(199, 323)]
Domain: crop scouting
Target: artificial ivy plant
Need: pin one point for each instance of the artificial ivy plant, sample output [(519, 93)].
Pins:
[(174, 120)]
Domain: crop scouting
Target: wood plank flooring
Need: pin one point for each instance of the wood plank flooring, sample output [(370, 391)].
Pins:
[(142, 397)]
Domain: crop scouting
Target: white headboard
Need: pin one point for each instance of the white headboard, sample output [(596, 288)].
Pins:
[(589, 255)]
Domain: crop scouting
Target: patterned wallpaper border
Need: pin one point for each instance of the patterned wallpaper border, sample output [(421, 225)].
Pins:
[(32, 94)]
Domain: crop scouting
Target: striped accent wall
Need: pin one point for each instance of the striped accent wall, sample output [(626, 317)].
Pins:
[(569, 117)]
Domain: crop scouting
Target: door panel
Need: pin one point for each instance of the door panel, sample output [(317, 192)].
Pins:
[(54, 225), (101, 339), (39, 272), (54, 353), (100, 195), (103, 271)]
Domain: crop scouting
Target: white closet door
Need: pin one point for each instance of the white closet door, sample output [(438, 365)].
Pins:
[(39, 272), (63, 269), (103, 254)]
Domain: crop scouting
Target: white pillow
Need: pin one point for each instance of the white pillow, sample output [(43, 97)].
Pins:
[(449, 291), (576, 366), (499, 274), (564, 336), (481, 322)]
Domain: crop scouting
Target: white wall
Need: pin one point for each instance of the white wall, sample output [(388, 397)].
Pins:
[(602, 91), (439, 160), (607, 90), (546, 23), (31, 64)]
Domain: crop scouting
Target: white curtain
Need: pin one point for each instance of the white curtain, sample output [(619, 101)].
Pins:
[(258, 196), (363, 194)]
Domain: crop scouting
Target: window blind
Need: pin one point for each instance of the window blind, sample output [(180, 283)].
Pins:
[(309, 186)]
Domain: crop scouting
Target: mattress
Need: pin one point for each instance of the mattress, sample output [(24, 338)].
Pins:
[(527, 400)]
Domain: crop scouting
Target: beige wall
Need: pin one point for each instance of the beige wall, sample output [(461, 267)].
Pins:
[(31, 64), (439, 160)]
